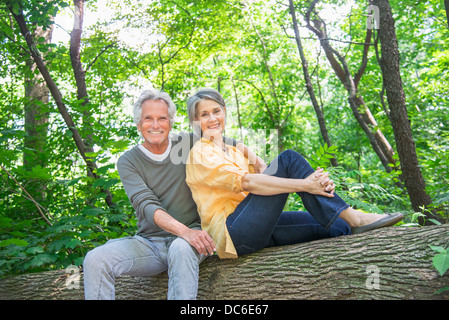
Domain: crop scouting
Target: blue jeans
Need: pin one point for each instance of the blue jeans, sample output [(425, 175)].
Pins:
[(138, 256), (259, 221)]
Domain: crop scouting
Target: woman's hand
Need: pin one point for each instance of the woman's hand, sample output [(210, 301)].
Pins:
[(319, 183), (327, 183), (260, 165)]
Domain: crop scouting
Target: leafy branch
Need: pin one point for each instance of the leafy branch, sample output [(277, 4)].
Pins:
[(38, 206)]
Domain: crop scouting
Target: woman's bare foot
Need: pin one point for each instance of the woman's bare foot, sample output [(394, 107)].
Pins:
[(357, 218)]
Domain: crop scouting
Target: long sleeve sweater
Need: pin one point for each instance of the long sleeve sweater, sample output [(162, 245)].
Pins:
[(152, 185)]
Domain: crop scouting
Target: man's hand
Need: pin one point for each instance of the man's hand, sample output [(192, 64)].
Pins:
[(200, 240)]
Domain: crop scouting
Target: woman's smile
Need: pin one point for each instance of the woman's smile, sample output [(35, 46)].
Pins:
[(215, 126)]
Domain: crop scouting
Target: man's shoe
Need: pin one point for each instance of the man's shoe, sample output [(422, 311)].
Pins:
[(389, 220)]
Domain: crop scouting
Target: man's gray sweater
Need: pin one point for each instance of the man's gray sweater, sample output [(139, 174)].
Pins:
[(152, 185)]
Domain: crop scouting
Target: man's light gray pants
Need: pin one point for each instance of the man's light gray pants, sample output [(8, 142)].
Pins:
[(137, 256)]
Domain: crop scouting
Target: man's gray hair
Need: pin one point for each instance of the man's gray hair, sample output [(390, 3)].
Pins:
[(154, 94), (203, 94)]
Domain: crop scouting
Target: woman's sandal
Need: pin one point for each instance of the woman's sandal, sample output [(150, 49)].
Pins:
[(389, 220)]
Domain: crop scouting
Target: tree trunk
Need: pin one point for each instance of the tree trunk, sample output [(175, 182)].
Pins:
[(389, 62), (309, 86), (390, 263), (360, 110), (36, 117), (446, 6), (80, 74)]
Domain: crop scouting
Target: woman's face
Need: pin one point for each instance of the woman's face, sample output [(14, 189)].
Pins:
[(211, 117)]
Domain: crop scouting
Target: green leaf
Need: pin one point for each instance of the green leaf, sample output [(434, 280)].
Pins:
[(105, 183), (41, 259), (441, 290), (5, 222), (321, 150), (64, 243), (435, 222), (438, 249), (99, 182), (91, 154), (441, 263), (14, 241), (93, 211), (34, 250)]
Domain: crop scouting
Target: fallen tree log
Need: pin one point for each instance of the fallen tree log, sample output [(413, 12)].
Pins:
[(390, 263)]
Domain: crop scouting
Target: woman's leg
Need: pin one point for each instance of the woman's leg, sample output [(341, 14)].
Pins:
[(290, 164), (299, 226), (255, 218), (252, 223)]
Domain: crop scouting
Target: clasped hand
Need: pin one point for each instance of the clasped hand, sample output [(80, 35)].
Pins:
[(321, 184)]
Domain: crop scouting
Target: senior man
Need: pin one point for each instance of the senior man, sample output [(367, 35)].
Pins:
[(169, 236)]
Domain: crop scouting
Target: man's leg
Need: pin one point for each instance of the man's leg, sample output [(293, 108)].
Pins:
[(126, 256), (183, 269)]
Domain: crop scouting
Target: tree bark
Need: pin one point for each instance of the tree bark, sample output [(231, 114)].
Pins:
[(36, 118), (390, 263), (389, 62), (80, 73), (446, 6), (36, 114)]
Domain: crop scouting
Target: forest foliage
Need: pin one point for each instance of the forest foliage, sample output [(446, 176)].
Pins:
[(61, 197)]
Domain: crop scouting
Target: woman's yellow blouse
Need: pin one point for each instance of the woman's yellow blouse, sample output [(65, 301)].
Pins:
[(215, 179)]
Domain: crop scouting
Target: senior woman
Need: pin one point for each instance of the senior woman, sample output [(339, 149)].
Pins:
[(243, 210)]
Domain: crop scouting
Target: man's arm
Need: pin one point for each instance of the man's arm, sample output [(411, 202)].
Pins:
[(148, 207), (199, 239)]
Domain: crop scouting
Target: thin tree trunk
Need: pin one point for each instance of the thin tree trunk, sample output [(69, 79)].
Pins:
[(361, 112), (446, 6), (237, 104), (80, 73), (309, 85), (389, 62)]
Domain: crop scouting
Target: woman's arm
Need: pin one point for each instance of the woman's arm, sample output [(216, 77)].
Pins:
[(259, 164), (262, 184)]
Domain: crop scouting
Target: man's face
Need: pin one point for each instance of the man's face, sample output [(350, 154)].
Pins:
[(155, 125)]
